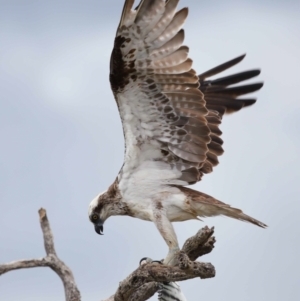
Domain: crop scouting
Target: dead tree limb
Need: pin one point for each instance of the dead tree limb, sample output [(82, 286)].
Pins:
[(144, 292), (50, 260), (142, 283), (200, 244)]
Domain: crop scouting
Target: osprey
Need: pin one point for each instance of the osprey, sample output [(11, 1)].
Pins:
[(170, 117)]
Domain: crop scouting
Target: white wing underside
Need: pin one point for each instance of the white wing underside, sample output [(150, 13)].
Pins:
[(160, 104), (171, 133)]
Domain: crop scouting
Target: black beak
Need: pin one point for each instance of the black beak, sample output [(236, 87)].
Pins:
[(99, 227)]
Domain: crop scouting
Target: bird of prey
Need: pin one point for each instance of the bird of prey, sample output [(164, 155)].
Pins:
[(168, 291), (170, 117)]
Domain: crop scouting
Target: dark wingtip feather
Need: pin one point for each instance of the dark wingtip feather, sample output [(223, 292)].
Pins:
[(221, 67), (248, 102), (233, 79), (228, 104), (234, 91), (243, 103)]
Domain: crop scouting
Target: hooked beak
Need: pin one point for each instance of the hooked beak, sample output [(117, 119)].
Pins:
[(99, 227)]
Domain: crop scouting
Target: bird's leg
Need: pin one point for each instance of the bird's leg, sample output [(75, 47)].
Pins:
[(166, 229), (171, 258)]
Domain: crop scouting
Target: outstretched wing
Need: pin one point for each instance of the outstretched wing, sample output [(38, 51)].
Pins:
[(171, 132), (221, 98)]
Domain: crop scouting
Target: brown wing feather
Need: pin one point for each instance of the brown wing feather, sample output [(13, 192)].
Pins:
[(160, 96), (151, 73), (222, 98)]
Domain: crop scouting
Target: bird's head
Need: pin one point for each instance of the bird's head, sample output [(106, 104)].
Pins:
[(100, 209), (103, 206)]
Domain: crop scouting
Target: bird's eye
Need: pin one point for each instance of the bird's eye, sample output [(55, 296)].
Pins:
[(95, 217)]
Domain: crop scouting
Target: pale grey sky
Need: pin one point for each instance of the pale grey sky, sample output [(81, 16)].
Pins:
[(62, 143)]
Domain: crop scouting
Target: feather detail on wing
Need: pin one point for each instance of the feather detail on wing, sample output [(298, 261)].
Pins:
[(170, 116), (222, 98)]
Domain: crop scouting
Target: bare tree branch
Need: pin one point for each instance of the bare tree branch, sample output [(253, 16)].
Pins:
[(22, 264), (200, 244), (50, 260), (47, 233), (141, 284), (144, 292)]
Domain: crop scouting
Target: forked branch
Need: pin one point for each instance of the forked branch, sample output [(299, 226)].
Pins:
[(142, 283), (50, 260)]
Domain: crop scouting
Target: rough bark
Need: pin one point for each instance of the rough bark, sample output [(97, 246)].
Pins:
[(200, 244), (142, 283), (144, 292)]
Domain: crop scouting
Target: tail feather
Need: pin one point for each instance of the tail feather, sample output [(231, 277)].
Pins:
[(240, 215), (204, 205)]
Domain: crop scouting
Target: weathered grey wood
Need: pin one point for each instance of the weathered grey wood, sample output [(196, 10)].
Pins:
[(144, 292), (200, 244), (142, 283), (50, 260)]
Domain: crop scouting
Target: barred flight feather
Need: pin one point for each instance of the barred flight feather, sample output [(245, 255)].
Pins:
[(150, 62), (171, 122)]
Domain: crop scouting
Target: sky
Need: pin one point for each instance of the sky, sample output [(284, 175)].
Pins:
[(62, 143)]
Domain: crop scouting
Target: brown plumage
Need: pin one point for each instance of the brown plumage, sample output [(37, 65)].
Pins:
[(171, 121)]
